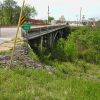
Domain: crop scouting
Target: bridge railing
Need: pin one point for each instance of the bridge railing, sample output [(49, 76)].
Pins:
[(43, 30)]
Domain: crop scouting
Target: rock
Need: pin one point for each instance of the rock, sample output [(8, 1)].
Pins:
[(49, 68), (21, 59), (2, 62), (5, 57)]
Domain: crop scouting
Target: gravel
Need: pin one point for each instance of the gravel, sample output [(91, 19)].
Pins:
[(21, 59)]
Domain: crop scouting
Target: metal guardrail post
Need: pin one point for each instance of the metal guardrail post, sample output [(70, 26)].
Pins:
[(47, 28), (40, 30)]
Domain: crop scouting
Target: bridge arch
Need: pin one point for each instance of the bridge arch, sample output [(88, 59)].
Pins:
[(46, 36)]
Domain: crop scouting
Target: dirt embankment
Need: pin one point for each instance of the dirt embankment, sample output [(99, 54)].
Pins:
[(22, 59), (8, 45)]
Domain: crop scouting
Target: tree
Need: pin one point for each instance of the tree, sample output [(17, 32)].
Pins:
[(29, 11), (50, 18), (8, 11), (1, 13)]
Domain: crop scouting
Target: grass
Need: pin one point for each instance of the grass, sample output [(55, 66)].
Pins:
[(5, 52), (77, 69), (73, 80), (32, 55), (28, 84)]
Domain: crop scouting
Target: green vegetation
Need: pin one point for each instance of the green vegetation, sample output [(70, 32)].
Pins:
[(65, 50), (28, 84), (82, 44), (87, 41), (32, 55), (76, 76), (5, 52), (29, 11), (10, 10), (50, 18)]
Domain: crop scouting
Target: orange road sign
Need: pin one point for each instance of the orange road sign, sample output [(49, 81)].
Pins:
[(23, 19)]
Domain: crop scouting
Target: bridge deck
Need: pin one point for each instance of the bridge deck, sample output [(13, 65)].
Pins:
[(43, 30)]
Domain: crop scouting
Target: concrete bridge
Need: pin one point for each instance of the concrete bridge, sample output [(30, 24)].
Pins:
[(45, 36)]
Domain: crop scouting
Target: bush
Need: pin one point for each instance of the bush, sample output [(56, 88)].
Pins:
[(65, 50), (87, 41), (91, 55)]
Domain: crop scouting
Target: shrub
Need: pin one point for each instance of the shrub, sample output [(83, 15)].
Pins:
[(87, 41), (91, 55), (65, 50)]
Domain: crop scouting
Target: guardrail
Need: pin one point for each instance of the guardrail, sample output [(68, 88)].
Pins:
[(42, 30), (45, 28)]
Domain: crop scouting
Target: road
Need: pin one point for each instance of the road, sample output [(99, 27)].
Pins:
[(7, 34)]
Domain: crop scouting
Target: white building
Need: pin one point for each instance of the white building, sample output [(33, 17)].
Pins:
[(62, 19)]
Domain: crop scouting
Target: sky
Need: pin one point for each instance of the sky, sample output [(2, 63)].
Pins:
[(69, 8)]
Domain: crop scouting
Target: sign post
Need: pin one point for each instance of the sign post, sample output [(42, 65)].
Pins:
[(19, 23), (26, 27)]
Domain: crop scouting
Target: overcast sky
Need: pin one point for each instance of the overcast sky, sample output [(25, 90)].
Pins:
[(69, 8)]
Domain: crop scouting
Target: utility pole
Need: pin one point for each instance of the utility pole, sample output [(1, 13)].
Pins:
[(80, 14), (48, 14), (18, 26), (83, 19), (77, 20)]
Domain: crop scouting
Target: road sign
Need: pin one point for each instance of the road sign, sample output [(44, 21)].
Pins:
[(23, 19), (26, 26)]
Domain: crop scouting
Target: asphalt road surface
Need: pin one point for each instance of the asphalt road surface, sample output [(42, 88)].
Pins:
[(7, 34)]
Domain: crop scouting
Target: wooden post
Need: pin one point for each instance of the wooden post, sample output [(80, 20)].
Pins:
[(19, 22)]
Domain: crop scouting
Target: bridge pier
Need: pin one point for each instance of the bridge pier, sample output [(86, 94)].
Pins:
[(51, 39), (41, 44), (46, 38)]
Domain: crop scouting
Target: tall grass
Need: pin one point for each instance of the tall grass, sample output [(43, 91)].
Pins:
[(28, 84), (83, 43), (65, 50), (77, 75), (87, 41)]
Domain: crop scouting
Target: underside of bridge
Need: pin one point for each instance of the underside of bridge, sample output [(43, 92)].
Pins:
[(48, 40)]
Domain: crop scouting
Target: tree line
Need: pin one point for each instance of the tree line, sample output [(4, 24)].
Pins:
[(10, 11)]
